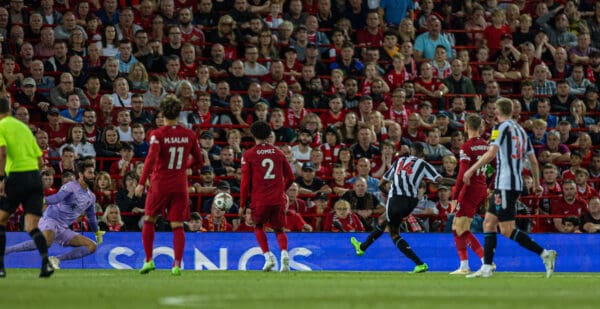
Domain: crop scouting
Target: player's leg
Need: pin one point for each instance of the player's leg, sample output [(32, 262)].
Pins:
[(178, 246), (83, 246), (4, 214), (490, 226), (399, 209), (278, 223), (459, 227), (152, 209), (29, 191), (259, 217), (378, 230), (178, 211), (148, 243), (508, 229), (29, 245)]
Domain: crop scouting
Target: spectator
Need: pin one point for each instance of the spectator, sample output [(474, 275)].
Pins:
[(155, 92), (435, 151), (194, 224), (140, 145), (543, 112), (363, 203), (108, 146), (561, 101), (128, 202), (126, 28), (124, 128), (577, 117), (570, 205), (577, 82), (216, 221), (363, 170), (559, 35), (590, 220), (111, 220), (77, 141), (426, 43), (347, 63), (104, 191)]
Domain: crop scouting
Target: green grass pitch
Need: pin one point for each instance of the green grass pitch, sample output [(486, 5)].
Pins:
[(237, 289)]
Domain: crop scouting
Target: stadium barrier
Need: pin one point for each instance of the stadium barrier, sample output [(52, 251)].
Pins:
[(317, 251)]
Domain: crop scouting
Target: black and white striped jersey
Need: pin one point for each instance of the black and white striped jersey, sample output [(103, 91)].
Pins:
[(513, 148), (407, 173)]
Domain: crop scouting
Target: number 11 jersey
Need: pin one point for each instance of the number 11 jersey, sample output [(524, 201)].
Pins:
[(266, 175), (168, 158)]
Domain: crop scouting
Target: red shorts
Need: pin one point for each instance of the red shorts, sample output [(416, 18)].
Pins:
[(274, 215), (470, 199), (176, 204)]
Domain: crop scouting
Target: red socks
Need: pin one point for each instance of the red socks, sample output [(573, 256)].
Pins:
[(282, 240), (178, 244), (148, 239), (261, 238), (473, 243), (461, 246)]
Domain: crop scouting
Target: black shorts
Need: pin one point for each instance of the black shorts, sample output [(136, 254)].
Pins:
[(23, 188), (398, 208), (503, 204)]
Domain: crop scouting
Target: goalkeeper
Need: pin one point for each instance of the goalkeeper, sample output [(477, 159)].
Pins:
[(72, 200)]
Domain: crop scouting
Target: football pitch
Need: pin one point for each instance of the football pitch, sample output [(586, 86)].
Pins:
[(253, 289)]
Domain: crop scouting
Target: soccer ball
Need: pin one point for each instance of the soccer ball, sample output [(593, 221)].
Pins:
[(223, 201)]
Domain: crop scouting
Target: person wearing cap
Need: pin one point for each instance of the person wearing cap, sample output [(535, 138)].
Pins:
[(567, 135), (313, 58), (207, 183), (28, 96), (222, 186), (591, 99), (321, 206), (302, 149), (207, 144), (308, 182)]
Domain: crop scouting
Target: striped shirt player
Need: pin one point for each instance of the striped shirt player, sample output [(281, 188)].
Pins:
[(510, 146), (405, 175)]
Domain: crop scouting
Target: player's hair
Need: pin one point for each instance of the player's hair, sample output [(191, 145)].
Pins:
[(474, 122), (83, 165), (4, 105), (504, 106), (418, 150), (260, 130), (170, 106)]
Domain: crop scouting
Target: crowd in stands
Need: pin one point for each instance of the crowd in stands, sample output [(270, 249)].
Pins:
[(348, 86)]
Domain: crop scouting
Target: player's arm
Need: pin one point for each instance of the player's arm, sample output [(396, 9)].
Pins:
[(287, 172), (445, 181), (59, 196), (535, 173), (90, 213), (2, 167), (245, 185), (487, 157), (463, 167), (151, 158)]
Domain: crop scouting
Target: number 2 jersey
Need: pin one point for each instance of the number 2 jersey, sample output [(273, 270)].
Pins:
[(470, 152), (266, 175), (168, 158)]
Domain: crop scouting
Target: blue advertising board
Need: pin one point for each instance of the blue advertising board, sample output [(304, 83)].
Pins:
[(317, 251)]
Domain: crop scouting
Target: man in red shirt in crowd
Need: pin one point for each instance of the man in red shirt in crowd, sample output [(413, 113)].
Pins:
[(570, 205), (170, 147), (266, 175)]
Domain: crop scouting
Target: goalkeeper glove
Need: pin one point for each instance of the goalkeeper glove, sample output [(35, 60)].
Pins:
[(99, 236)]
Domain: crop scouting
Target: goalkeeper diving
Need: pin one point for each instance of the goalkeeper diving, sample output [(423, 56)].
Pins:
[(74, 199)]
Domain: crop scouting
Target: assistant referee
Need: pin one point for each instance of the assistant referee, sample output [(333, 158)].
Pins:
[(20, 182)]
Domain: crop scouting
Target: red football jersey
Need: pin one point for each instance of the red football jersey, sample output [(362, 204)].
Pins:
[(167, 160), (266, 175), (470, 152)]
